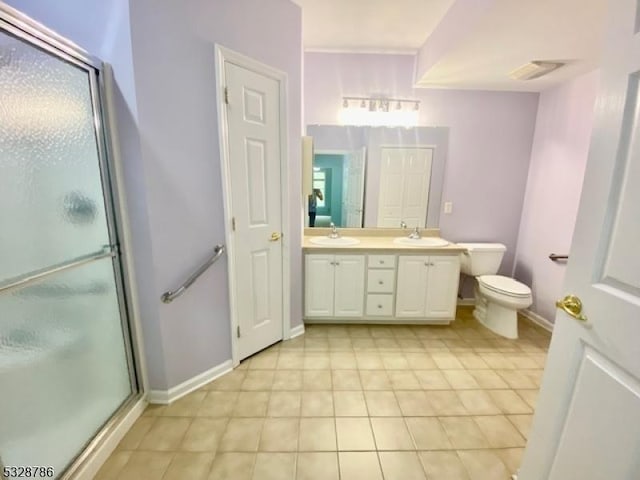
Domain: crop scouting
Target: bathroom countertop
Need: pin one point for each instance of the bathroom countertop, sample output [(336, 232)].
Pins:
[(378, 243)]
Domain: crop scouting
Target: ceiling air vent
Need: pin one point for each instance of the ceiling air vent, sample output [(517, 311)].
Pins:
[(534, 69)]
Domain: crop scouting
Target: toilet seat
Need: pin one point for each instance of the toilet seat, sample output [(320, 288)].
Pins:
[(504, 286)]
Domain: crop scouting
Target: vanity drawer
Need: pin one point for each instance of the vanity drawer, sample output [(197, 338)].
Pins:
[(382, 261), (379, 305), (380, 281)]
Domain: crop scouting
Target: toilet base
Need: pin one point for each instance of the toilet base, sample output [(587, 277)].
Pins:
[(497, 318)]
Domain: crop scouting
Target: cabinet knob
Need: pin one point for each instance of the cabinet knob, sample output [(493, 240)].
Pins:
[(336, 263), (380, 282), (379, 306), (381, 262)]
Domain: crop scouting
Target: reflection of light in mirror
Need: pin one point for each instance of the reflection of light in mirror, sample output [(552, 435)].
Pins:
[(391, 118)]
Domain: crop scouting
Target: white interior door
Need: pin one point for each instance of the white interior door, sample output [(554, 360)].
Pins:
[(405, 177), (355, 188), (587, 423), (253, 119)]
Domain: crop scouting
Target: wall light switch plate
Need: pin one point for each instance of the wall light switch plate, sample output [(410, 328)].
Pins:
[(448, 207)]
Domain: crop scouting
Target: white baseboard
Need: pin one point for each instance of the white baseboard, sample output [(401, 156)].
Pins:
[(165, 397), (538, 320), (465, 302), (90, 467), (297, 331)]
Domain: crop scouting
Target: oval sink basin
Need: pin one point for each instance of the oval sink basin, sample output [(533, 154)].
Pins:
[(421, 242), (334, 242)]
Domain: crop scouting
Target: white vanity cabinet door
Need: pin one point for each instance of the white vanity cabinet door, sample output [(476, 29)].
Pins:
[(412, 286), (349, 285), (442, 286), (319, 285)]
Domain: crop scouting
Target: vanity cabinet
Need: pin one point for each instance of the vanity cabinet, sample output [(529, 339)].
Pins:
[(427, 286), (334, 285), (385, 288)]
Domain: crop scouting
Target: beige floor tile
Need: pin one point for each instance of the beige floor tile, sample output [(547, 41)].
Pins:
[(284, 404), (522, 361), (316, 361), (420, 361), (231, 381), (509, 401), (316, 380), (279, 435), (134, 436), (217, 404), (432, 379), (339, 343), (385, 343), (403, 380), (316, 344), (478, 402), (203, 435), (267, 360), (317, 434), (165, 434), (349, 404), (187, 406), (401, 466), (446, 361), (194, 466), (499, 431), (317, 466), (445, 402), (483, 465), (146, 466), (114, 464), (287, 380), (369, 361), (258, 380), (472, 361), (375, 380), (497, 361), (346, 380), (460, 379), (391, 433), (343, 360), (529, 396), (522, 423), (428, 434), (414, 403), (516, 379), (363, 344), (443, 466), (488, 379), (395, 361), (511, 457), (251, 404), (463, 432), (382, 404), (275, 466), (154, 410), (317, 404), (290, 361), (354, 434), (233, 466), (359, 466), (241, 435)]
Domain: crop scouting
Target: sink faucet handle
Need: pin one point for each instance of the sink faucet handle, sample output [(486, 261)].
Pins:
[(403, 224), (416, 233)]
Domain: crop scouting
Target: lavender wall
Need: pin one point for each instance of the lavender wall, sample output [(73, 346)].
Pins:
[(490, 137), (173, 55), (558, 159)]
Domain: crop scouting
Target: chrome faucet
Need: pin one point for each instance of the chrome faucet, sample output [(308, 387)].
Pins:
[(403, 224), (415, 235), (334, 231)]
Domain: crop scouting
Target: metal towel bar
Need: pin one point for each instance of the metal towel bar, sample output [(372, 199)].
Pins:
[(170, 296), (554, 257)]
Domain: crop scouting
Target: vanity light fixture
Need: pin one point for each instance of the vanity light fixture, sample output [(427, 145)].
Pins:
[(382, 103), (379, 111)]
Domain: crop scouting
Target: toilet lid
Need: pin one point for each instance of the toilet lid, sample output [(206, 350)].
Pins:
[(506, 285)]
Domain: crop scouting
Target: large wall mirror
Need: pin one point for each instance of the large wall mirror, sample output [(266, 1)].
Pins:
[(387, 177)]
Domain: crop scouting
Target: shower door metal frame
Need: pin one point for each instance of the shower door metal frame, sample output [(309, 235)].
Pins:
[(24, 28)]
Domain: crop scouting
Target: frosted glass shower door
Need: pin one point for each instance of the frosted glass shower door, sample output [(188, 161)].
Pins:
[(65, 360)]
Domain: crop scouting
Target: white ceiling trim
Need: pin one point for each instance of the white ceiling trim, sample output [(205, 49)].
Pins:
[(366, 51)]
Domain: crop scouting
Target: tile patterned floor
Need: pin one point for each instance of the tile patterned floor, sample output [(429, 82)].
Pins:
[(351, 402)]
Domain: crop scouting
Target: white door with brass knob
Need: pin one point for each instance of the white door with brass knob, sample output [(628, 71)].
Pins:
[(254, 190), (587, 421)]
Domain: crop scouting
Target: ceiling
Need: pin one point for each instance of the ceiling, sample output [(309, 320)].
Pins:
[(393, 26), (480, 55)]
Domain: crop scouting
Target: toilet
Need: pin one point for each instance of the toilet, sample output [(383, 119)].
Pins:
[(498, 298)]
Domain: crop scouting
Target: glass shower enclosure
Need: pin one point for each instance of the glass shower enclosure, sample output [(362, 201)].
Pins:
[(66, 361)]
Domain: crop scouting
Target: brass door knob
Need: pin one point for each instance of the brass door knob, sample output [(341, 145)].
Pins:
[(275, 236), (572, 306)]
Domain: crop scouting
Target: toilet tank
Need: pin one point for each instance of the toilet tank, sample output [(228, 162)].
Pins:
[(481, 258)]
